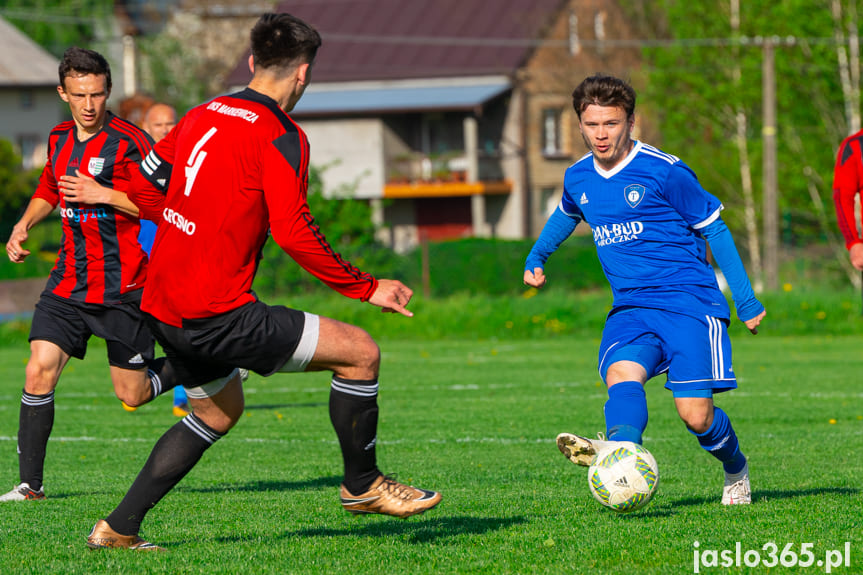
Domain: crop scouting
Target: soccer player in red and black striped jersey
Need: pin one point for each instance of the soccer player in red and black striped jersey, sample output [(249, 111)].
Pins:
[(847, 184), (233, 170), (96, 284)]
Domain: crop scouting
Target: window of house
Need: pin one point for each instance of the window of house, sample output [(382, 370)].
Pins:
[(32, 150), (549, 199), (574, 42), (26, 99), (599, 30), (551, 145)]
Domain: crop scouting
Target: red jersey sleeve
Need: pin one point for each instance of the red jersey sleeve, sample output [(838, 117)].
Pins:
[(47, 188), (293, 226), (846, 185), (149, 184)]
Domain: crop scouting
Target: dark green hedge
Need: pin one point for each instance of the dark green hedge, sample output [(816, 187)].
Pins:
[(470, 266)]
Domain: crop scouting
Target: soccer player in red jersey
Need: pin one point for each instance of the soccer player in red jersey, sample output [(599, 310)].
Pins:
[(847, 184), (96, 284), (232, 171)]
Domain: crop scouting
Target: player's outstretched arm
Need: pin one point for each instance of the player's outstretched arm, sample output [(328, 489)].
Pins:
[(392, 296), (558, 227), (749, 309), (37, 210), (84, 189)]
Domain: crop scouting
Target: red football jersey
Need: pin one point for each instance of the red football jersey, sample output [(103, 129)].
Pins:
[(232, 171), (100, 259), (847, 183)]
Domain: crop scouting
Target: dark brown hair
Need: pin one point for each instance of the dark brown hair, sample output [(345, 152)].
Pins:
[(82, 61), (604, 90), (279, 40)]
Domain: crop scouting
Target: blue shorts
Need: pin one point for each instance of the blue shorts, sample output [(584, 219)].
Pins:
[(695, 352)]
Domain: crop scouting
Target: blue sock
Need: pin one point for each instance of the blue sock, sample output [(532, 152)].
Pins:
[(626, 412), (180, 397), (720, 441)]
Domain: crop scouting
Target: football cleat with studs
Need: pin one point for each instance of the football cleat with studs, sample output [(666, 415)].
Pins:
[(23, 492), (581, 450), (103, 537), (387, 496), (737, 492)]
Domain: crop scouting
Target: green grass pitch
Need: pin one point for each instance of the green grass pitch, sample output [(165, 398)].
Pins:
[(475, 420)]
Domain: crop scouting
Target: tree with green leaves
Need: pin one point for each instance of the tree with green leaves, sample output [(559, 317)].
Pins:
[(704, 72), (57, 24)]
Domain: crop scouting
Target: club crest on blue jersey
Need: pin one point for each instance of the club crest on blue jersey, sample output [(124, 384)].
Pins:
[(634, 194), (95, 166)]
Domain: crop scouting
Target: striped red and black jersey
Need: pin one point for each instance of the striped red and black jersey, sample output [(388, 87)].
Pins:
[(232, 171), (100, 260), (847, 183)]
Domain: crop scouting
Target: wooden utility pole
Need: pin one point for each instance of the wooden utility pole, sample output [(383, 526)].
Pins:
[(771, 197)]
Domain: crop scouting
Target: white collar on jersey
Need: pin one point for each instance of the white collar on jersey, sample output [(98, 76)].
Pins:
[(623, 163)]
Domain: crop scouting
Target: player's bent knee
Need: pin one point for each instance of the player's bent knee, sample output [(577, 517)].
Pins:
[(39, 380), (697, 422)]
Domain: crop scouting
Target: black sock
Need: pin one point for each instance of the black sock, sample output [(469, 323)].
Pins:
[(35, 422), (174, 455), (162, 377), (354, 414)]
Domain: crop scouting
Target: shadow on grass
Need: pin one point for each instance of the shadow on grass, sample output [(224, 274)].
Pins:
[(760, 495), (286, 405), (257, 486), (414, 529)]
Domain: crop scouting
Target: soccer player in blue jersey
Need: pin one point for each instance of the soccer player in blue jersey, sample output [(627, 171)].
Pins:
[(651, 221)]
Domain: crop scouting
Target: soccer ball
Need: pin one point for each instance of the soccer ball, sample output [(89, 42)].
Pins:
[(624, 476)]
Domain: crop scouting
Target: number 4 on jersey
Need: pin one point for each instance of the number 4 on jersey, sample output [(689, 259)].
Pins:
[(196, 158)]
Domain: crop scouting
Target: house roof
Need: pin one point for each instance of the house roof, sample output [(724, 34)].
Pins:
[(399, 96), (22, 61), (398, 39)]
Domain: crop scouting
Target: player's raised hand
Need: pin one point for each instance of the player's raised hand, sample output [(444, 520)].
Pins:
[(392, 296), (753, 323), (535, 278)]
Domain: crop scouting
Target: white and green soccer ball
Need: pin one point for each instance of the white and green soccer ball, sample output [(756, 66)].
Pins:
[(623, 477)]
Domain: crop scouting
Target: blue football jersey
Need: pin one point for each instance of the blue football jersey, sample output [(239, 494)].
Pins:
[(645, 214)]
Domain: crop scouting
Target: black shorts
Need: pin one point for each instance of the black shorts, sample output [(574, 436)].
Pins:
[(69, 325), (255, 336)]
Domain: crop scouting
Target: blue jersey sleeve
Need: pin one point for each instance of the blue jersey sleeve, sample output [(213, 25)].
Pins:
[(725, 254), (696, 206), (558, 227)]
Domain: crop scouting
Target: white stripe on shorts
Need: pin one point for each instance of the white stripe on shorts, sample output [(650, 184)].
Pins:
[(212, 388), (717, 359), (306, 348)]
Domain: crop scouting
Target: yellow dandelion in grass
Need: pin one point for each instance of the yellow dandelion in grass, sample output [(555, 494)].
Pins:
[(820, 315), (787, 287), (424, 354), (537, 319), (529, 293), (832, 421), (860, 418), (508, 324), (279, 416), (554, 325), (846, 305)]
